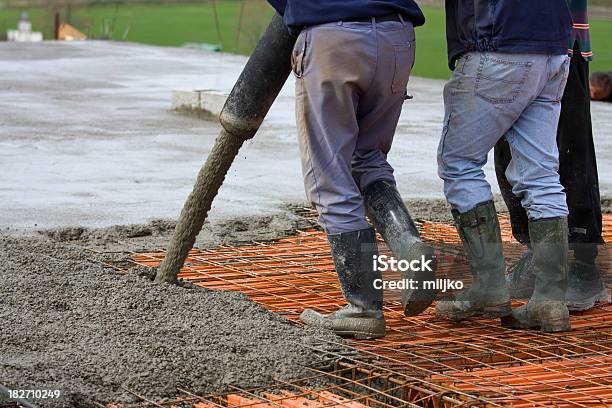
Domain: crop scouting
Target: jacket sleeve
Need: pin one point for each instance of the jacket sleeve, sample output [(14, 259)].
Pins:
[(279, 6), (452, 37)]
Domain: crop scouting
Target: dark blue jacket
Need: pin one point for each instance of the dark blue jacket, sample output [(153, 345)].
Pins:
[(509, 26), (300, 13)]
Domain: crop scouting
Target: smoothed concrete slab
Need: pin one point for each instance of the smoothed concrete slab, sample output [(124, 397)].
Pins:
[(88, 137)]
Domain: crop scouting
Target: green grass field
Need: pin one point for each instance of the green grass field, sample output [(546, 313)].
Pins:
[(177, 24)]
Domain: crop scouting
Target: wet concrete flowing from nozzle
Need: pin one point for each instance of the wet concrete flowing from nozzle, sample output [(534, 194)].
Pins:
[(245, 109)]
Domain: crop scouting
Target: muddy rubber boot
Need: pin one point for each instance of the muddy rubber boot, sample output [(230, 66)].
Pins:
[(520, 278), (487, 296), (362, 317), (546, 310), (391, 218), (585, 286)]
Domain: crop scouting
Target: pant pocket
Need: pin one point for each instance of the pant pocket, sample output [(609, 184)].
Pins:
[(500, 79), (404, 58), (298, 54), (462, 62), (563, 75), (441, 145)]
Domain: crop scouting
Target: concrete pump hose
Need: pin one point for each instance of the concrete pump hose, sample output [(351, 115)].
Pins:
[(245, 109)]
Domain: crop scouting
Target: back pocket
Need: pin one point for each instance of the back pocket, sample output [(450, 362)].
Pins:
[(499, 79), (404, 59), (563, 75)]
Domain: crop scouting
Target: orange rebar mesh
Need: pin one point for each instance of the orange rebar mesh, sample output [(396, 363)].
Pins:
[(423, 360)]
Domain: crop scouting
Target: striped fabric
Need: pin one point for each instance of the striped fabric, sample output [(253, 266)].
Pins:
[(580, 32)]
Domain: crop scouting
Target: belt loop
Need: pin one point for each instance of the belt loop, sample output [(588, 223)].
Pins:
[(401, 19), (374, 22)]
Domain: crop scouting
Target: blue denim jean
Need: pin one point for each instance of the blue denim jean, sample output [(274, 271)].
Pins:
[(516, 96), (351, 82)]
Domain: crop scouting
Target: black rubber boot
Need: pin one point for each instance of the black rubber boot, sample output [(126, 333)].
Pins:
[(585, 286), (520, 278), (546, 310), (391, 218), (487, 296), (362, 317)]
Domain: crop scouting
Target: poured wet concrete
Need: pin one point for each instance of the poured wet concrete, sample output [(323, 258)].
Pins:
[(87, 137), (157, 233), (70, 323)]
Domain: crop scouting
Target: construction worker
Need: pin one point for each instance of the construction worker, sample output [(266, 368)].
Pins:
[(352, 61), (510, 66), (578, 174)]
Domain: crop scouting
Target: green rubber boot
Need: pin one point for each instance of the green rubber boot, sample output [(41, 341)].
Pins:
[(585, 286), (546, 310), (362, 317), (487, 296)]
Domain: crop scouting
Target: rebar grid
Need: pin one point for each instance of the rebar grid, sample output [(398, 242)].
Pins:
[(423, 361)]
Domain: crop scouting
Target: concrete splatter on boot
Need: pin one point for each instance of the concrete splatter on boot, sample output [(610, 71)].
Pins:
[(520, 278), (546, 310), (391, 218), (487, 296), (362, 317)]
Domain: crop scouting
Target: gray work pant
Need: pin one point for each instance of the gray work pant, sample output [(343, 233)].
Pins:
[(516, 96), (350, 86)]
